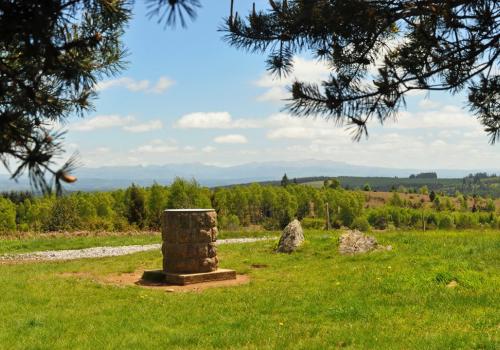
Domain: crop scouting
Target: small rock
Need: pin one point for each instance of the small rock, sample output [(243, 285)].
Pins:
[(292, 237), (389, 248), (355, 242), (169, 290), (452, 284)]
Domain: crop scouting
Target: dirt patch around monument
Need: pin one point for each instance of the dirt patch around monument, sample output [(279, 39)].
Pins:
[(134, 279)]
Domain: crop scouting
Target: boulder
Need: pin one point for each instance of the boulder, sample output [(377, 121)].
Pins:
[(355, 242), (291, 238)]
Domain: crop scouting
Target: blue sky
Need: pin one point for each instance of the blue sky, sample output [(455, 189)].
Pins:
[(186, 96)]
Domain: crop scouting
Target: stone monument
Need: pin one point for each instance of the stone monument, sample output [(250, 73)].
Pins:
[(189, 252)]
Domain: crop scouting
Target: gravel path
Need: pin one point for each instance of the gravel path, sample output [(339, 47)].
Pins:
[(100, 252)]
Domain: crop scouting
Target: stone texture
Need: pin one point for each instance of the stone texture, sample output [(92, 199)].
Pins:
[(161, 277), (191, 278), (189, 241), (291, 238), (355, 242)]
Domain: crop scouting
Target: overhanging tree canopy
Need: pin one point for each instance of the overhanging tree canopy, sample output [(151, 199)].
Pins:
[(379, 51), (52, 53)]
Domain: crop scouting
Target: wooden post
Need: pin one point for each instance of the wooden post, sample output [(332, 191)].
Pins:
[(327, 217), (423, 220)]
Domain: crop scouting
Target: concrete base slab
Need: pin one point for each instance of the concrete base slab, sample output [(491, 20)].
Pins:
[(182, 279)]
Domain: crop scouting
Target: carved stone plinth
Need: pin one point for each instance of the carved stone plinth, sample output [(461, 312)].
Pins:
[(188, 240), (189, 252)]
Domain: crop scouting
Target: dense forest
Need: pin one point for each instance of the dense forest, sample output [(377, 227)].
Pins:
[(268, 207)]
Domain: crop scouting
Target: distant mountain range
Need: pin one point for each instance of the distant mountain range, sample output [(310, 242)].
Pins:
[(106, 178)]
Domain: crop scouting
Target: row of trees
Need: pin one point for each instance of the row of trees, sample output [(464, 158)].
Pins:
[(141, 208), (269, 206), (425, 219)]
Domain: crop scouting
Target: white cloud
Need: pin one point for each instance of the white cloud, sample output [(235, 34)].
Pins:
[(127, 83), (231, 138), (439, 143), (208, 149), (285, 126), (103, 150), (303, 69), (144, 127), (299, 132), (213, 120), (311, 71), (157, 146), (133, 85), (202, 120), (126, 123), (275, 93), (102, 122), (446, 117), (163, 84)]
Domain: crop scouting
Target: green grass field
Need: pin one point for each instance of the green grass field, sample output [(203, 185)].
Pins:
[(60, 242), (312, 299), (40, 241)]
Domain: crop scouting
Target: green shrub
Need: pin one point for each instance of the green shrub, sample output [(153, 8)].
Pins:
[(99, 224), (285, 208), (495, 224), (344, 206), (120, 223), (23, 227), (39, 213), (188, 194), (466, 220), (445, 221), (313, 223), (361, 223), (270, 224), (229, 222), (379, 218), (64, 215), (396, 200), (136, 206), (432, 220), (7, 215), (415, 219), (396, 215), (490, 206), (485, 218)]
